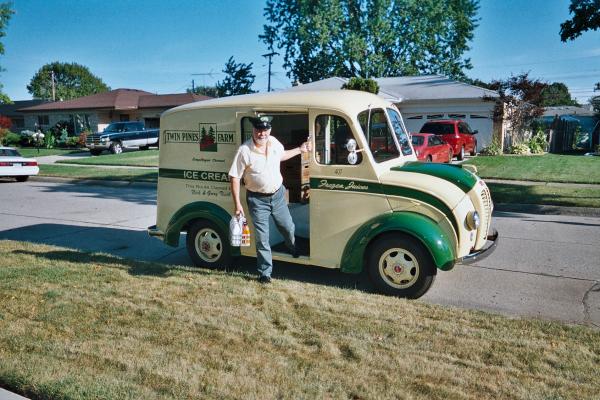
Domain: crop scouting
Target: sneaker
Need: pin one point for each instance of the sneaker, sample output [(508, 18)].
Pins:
[(264, 279), (294, 252)]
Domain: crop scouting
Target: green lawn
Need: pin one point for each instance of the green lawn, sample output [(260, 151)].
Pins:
[(93, 326), (548, 195), (33, 152), (543, 168), (110, 174), (148, 158)]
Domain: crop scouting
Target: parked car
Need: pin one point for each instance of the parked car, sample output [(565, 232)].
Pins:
[(120, 135), (456, 133), (431, 148), (13, 165)]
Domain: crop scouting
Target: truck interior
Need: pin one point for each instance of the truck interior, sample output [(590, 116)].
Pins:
[(291, 129)]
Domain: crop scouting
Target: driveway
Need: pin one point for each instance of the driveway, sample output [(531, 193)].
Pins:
[(545, 266)]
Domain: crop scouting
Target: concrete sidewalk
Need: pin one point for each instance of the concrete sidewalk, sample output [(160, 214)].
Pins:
[(549, 184), (6, 395), (45, 160)]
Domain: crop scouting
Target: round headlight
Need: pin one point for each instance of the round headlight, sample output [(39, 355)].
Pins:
[(473, 220)]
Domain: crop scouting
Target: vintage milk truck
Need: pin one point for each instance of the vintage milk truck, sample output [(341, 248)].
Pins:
[(359, 199)]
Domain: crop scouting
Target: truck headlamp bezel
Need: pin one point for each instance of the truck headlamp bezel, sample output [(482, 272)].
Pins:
[(473, 221)]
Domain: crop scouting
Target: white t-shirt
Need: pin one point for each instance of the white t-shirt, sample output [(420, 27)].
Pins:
[(261, 173)]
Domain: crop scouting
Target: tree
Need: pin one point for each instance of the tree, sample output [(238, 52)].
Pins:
[(557, 94), (210, 91), (520, 102), (71, 81), (238, 79), (5, 13), (586, 16), (367, 38), (366, 85)]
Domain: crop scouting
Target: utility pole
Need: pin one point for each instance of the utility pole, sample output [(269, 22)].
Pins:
[(270, 55), (53, 87), (193, 87)]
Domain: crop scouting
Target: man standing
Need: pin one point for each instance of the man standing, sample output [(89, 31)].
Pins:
[(257, 162)]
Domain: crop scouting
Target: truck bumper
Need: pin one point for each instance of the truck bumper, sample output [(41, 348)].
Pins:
[(93, 146), (154, 232), (490, 246)]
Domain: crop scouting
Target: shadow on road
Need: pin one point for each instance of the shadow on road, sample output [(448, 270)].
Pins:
[(137, 194), (142, 254)]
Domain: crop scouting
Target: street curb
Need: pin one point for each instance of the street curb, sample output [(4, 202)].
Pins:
[(548, 210), (6, 395), (97, 182)]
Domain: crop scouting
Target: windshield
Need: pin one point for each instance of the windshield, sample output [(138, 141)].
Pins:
[(378, 134), (438, 128), (114, 128), (9, 153), (400, 131)]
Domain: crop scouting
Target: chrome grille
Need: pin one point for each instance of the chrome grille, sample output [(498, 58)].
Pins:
[(486, 217), (93, 139)]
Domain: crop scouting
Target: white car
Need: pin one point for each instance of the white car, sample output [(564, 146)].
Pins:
[(13, 165)]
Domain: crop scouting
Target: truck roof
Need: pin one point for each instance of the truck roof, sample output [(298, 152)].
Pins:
[(350, 101)]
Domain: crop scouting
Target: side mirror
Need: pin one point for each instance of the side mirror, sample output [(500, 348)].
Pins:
[(475, 131)]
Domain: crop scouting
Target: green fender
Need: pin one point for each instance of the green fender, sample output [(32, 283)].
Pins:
[(199, 210), (440, 243)]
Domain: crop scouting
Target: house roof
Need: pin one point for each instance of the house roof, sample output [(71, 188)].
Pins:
[(169, 100), (119, 99), (411, 88), (12, 109)]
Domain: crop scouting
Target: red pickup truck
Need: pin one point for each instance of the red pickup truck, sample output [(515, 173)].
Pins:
[(456, 133)]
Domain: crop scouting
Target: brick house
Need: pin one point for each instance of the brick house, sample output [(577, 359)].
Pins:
[(96, 111)]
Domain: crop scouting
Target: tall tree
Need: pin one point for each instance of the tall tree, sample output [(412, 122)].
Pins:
[(210, 91), (238, 79), (71, 81), (586, 16), (557, 94), (370, 38), (5, 13)]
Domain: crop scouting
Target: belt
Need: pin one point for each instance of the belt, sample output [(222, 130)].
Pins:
[(259, 194)]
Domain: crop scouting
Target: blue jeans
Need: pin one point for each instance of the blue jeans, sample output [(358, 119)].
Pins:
[(261, 208)]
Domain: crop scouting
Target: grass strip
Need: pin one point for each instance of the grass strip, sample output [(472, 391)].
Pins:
[(33, 152), (540, 168), (109, 174), (93, 326), (148, 158), (545, 195)]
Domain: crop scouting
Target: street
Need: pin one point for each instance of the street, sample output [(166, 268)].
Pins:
[(545, 266)]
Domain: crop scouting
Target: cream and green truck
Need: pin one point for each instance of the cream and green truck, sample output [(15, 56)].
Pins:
[(359, 200)]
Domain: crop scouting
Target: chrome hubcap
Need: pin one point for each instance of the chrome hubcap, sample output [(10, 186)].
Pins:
[(208, 245), (399, 268)]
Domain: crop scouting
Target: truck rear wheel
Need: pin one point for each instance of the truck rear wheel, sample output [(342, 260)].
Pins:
[(399, 265), (207, 245)]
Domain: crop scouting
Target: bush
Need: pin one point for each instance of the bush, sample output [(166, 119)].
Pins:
[(363, 84), (494, 149), (49, 140), (538, 143), (72, 141), (11, 139), (520, 148)]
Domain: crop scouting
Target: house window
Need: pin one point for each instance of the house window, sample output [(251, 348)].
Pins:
[(124, 117), (457, 116), (43, 120), (435, 116), (415, 117), (18, 122)]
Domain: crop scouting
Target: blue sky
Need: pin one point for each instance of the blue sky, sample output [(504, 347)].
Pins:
[(157, 45)]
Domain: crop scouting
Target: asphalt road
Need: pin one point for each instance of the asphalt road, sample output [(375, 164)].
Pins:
[(545, 266)]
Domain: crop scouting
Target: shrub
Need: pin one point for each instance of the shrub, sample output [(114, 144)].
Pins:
[(538, 143), (82, 138), (12, 139), (5, 122), (364, 84), (72, 141), (494, 149), (576, 138), (520, 148), (49, 140)]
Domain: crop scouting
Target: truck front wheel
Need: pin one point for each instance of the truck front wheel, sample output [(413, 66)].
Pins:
[(207, 245), (116, 148), (400, 266)]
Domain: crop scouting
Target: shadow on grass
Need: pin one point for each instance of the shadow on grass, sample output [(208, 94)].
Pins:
[(145, 256)]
